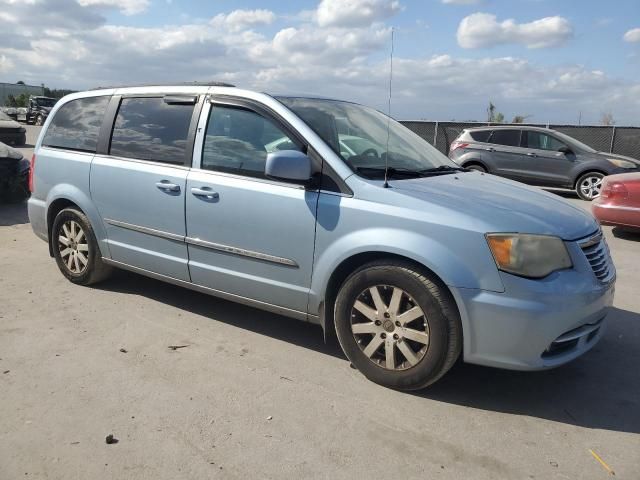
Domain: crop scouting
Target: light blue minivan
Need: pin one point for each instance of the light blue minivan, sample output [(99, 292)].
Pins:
[(326, 211)]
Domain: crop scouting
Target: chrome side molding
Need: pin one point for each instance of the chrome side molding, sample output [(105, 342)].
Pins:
[(147, 230), (242, 252), (204, 243)]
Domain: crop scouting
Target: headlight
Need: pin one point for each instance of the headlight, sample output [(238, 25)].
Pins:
[(533, 256), (622, 163)]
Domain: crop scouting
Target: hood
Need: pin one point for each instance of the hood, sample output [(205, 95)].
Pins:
[(501, 205)]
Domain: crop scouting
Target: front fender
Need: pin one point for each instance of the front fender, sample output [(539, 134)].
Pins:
[(441, 258), (74, 194)]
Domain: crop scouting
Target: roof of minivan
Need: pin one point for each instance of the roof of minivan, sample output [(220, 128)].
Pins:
[(173, 84)]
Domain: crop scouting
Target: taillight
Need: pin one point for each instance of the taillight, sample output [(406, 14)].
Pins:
[(455, 145), (31, 172), (614, 190)]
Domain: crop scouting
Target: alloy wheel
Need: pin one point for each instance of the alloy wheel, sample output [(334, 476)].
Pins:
[(73, 247), (590, 186), (390, 327)]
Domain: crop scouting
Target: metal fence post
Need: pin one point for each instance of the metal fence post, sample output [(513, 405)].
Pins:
[(613, 138), (435, 134)]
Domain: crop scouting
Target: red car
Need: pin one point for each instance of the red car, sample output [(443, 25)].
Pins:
[(619, 201)]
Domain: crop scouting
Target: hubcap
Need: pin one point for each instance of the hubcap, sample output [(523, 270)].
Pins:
[(73, 247), (590, 187), (390, 328)]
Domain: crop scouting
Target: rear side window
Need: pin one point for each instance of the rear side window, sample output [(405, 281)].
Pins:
[(238, 141), (76, 125), (480, 135), (150, 129), (510, 138)]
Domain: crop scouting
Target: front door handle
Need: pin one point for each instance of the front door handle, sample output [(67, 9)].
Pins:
[(168, 186), (205, 192), (490, 149), (531, 154)]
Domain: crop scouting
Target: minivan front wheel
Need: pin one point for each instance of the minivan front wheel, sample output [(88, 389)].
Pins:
[(588, 185), (397, 325), (75, 248)]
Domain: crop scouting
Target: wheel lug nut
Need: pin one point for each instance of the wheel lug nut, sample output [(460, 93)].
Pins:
[(383, 335), (386, 315), (395, 336), (378, 323), (397, 323)]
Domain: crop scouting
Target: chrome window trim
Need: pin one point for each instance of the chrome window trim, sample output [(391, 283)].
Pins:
[(591, 240), (217, 293), (242, 252)]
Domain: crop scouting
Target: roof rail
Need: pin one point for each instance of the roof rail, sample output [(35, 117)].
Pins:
[(171, 84)]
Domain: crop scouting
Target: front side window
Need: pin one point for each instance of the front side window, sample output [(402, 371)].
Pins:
[(238, 141), (540, 141), (150, 129), (509, 138), (76, 125)]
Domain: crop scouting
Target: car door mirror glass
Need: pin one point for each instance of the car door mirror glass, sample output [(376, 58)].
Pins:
[(289, 165)]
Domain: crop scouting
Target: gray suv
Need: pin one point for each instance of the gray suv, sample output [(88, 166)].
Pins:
[(325, 211), (538, 156)]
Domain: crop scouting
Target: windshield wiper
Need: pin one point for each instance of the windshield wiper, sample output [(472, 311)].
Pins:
[(442, 169), (391, 172)]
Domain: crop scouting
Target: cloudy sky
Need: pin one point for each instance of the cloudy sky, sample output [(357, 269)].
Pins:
[(551, 59)]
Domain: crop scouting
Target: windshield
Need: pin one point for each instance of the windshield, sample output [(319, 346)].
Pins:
[(358, 134), (45, 102), (572, 142)]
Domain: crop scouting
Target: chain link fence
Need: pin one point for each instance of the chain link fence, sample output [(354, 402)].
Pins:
[(620, 140)]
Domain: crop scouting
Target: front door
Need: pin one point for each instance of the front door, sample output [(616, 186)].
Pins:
[(247, 235), (553, 168)]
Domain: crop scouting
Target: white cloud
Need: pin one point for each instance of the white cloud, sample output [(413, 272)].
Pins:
[(241, 19), (80, 49), (355, 13), (127, 7), (483, 30), (632, 36), (461, 2)]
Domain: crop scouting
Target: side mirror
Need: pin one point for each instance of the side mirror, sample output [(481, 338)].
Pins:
[(565, 150), (288, 165)]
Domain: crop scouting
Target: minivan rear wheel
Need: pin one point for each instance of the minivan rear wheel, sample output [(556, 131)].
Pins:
[(397, 325), (588, 185), (75, 248)]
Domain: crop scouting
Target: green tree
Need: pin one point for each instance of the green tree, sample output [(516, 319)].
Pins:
[(499, 118), (19, 82), (11, 101)]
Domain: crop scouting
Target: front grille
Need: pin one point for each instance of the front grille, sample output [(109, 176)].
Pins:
[(597, 252)]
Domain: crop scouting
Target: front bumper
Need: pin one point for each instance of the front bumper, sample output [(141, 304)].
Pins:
[(536, 324)]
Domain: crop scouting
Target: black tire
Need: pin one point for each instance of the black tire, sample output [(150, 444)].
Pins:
[(95, 269), (475, 166), (441, 314), (589, 177)]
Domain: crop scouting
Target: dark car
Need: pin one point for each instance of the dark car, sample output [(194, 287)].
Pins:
[(38, 109), (538, 156), (11, 132), (14, 174)]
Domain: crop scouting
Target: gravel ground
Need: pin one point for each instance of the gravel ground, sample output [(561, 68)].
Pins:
[(255, 395)]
